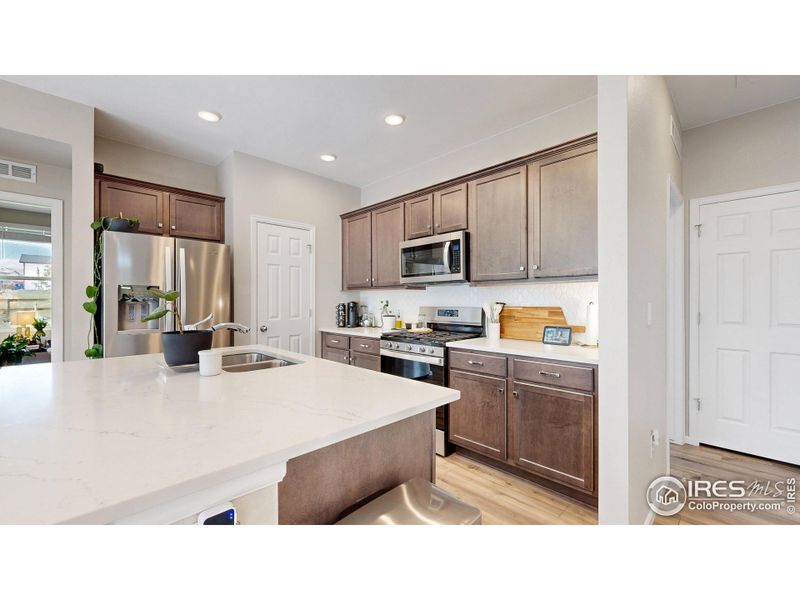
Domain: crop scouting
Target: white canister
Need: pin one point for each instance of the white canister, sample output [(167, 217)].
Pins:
[(493, 332), (387, 322), (210, 362)]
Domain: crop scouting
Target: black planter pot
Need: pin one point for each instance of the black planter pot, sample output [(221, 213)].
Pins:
[(117, 224), (182, 348)]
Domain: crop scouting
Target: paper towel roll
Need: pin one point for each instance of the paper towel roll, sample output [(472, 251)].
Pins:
[(592, 325)]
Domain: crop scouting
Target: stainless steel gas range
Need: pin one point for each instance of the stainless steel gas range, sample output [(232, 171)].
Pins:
[(423, 356)]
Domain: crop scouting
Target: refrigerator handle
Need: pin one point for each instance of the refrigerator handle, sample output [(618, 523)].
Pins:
[(168, 279), (182, 280)]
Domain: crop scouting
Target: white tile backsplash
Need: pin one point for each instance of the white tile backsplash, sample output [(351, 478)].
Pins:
[(573, 297)]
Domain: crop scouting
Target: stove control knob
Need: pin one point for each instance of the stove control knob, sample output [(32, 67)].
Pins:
[(431, 350), (395, 345), (408, 347)]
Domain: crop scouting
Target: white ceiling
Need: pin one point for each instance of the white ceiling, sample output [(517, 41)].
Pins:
[(294, 119), (703, 99), (29, 148)]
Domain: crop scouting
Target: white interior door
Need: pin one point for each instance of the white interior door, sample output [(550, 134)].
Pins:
[(749, 328), (283, 304)]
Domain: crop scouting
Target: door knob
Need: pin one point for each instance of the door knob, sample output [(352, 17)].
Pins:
[(263, 328)]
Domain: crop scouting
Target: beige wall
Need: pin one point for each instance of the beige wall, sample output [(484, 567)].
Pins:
[(757, 149), (51, 182), (254, 186), (635, 116), (126, 160), (34, 113), (569, 123)]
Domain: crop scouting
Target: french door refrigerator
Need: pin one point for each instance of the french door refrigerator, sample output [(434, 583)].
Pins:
[(135, 263)]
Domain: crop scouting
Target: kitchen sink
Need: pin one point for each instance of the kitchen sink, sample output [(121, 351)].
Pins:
[(252, 361)]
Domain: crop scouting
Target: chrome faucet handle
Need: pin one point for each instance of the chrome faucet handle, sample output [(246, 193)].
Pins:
[(234, 326), (194, 326)]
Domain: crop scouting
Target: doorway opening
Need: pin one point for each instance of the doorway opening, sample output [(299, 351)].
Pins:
[(31, 278)]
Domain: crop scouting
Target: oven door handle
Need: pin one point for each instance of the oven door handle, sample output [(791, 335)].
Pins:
[(431, 360)]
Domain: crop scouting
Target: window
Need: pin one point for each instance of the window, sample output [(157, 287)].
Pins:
[(25, 272)]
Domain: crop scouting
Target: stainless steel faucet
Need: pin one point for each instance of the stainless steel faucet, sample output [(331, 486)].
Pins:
[(234, 326)]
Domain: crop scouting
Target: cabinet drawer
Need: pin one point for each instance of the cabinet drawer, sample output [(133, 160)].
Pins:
[(340, 356), (334, 340), (478, 363), (578, 378), (365, 345)]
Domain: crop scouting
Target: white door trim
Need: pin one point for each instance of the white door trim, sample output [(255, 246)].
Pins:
[(56, 207), (676, 317), (255, 220), (694, 285)]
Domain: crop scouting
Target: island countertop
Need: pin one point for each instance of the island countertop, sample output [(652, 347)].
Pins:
[(94, 441)]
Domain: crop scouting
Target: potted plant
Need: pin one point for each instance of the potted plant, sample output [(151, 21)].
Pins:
[(180, 346), (39, 325), (12, 350), (120, 223)]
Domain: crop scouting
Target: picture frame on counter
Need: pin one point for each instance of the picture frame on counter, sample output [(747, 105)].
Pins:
[(557, 336)]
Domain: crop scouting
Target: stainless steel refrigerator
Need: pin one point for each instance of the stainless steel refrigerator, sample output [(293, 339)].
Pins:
[(134, 263)]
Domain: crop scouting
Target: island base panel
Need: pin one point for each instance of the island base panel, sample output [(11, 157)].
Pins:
[(322, 486)]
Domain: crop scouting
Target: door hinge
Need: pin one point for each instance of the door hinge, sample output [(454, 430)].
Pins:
[(310, 312), (697, 402), (699, 229), (310, 248)]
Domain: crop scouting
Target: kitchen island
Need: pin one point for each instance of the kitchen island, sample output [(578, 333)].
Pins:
[(129, 440)]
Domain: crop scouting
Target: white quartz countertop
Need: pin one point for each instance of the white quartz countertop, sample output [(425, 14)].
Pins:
[(94, 441), (370, 332), (530, 349)]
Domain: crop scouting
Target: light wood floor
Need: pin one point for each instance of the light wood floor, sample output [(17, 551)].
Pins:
[(509, 500)]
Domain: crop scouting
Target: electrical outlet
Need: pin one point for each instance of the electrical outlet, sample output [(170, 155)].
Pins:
[(655, 440)]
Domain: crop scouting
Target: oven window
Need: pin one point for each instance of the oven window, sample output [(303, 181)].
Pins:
[(411, 369)]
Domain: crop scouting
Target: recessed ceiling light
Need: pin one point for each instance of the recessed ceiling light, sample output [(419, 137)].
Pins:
[(209, 116), (394, 119), (327, 157)]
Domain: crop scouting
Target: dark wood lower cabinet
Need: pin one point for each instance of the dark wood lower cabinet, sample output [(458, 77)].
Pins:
[(552, 433), (365, 361), (334, 354), (478, 419), (524, 423)]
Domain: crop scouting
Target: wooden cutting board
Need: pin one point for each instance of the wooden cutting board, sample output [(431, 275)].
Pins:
[(528, 322)]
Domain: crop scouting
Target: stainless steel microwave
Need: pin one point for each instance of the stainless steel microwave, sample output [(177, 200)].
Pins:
[(434, 259)]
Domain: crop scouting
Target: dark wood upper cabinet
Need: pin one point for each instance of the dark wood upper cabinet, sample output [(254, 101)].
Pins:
[(388, 230), (357, 252), (161, 210), (419, 217), (478, 419), (193, 217), (552, 434), (450, 209), (563, 218), (498, 217), (133, 201)]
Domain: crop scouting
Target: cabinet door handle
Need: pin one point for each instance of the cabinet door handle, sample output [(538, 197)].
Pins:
[(521, 268), (500, 390), (173, 227), (550, 374), (334, 341), (367, 279), (364, 345), (475, 362), (161, 226), (534, 267), (515, 393)]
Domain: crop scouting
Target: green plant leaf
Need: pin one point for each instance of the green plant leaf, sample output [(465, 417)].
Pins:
[(156, 292), (97, 224), (156, 315), (172, 296), (91, 291), (90, 307)]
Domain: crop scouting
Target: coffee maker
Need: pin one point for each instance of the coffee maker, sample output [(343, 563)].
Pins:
[(352, 314)]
